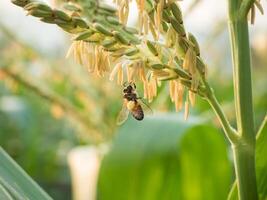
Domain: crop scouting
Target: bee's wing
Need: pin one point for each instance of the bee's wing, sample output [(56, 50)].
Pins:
[(145, 106), (123, 114)]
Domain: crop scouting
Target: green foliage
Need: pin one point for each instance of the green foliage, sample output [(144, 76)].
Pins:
[(37, 141), (15, 183), (261, 160), (165, 158)]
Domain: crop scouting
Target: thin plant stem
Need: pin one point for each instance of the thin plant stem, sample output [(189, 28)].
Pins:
[(209, 95), (53, 98), (228, 130)]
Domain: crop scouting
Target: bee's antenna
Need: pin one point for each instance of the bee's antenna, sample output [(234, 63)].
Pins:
[(125, 84), (132, 84)]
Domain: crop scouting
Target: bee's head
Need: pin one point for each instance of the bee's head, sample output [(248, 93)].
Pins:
[(129, 87)]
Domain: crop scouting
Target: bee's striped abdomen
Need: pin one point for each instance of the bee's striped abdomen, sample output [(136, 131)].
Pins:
[(137, 112)]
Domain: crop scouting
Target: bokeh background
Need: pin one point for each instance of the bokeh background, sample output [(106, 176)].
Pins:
[(53, 114)]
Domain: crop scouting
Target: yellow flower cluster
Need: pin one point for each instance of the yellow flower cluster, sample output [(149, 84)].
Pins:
[(176, 59), (95, 58)]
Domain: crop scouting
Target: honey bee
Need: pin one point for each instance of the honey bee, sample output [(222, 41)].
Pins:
[(131, 104)]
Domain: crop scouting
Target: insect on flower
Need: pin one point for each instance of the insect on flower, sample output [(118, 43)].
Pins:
[(132, 103)]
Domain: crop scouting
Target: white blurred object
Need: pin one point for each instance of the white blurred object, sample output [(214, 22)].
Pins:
[(47, 38), (11, 104), (259, 43), (84, 163)]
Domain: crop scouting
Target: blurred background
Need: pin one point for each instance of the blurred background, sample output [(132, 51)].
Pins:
[(59, 122)]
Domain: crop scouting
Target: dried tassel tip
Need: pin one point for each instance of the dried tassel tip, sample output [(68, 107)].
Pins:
[(132, 71), (128, 73), (120, 75), (141, 72), (140, 23), (145, 85), (186, 110), (149, 92), (158, 16), (90, 62), (153, 31), (152, 88), (146, 24), (192, 98), (123, 10), (70, 50), (175, 96), (172, 90), (114, 72), (180, 96)]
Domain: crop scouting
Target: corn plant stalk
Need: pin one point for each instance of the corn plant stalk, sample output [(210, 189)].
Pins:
[(244, 148)]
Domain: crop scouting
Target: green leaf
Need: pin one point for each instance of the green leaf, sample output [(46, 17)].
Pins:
[(233, 195), (15, 183), (4, 194), (206, 171), (261, 160), (261, 165), (165, 157)]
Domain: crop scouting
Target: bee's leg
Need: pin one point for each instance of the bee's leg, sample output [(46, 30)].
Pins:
[(142, 98)]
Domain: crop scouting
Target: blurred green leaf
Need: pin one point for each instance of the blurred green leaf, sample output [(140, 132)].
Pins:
[(4, 194), (261, 165), (15, 183), (233, 195), (165, 158), (261, 160), (205, 168)]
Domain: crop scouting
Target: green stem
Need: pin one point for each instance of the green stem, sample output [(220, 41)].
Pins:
[(228, 130), (244, 157), (244, 149)]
